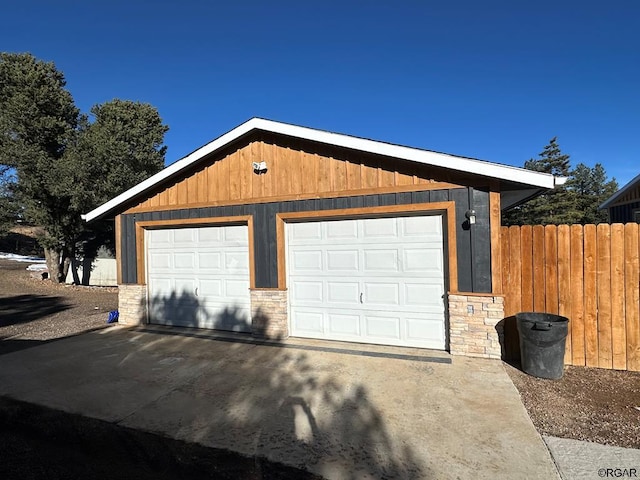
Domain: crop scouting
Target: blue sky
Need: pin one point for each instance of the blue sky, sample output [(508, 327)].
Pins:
[(493, 80)]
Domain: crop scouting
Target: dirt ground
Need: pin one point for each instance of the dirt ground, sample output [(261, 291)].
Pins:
[(586, 404), (591, 404)]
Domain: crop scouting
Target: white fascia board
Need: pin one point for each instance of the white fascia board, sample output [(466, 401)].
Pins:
[(612, 199), (426, 157)]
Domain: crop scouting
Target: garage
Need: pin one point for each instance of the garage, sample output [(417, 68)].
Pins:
[(372, 280), (280, 230), (199, 277)]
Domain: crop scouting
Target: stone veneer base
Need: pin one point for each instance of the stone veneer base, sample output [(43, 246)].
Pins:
[(475, 325), (269, 314), (132, 304)]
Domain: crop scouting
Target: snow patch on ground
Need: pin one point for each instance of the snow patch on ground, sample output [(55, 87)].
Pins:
[(21, 258), (36, 267)]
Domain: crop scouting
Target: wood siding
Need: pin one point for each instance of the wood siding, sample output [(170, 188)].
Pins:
[(590, 274), (623, 213), (296, 170)]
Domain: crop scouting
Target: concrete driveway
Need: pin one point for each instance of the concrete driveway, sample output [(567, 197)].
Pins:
[(338, 410)]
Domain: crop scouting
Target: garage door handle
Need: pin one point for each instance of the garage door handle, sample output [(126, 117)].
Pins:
[(361, 297), (196, 291)]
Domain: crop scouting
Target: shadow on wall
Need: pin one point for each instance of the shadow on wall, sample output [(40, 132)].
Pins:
[(28, 308), (187, 310)]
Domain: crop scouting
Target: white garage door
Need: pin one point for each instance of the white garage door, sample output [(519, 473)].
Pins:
[(368, 280), (199, 277)]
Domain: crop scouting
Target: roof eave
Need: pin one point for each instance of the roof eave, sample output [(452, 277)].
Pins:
[(612, 199), (493, 170)]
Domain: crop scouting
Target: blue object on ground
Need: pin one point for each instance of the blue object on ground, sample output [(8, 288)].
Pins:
[(113, 316)]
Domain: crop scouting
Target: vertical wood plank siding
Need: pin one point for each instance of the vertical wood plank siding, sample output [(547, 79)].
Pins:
[(590, 274), (295, 170), (474, 271), (623, 213)]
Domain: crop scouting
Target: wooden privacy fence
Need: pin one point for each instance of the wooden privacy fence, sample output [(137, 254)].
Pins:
[(588, 273)]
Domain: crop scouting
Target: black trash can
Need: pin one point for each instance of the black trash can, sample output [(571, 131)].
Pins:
[(542, 343)]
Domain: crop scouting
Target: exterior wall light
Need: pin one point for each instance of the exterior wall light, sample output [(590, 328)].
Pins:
[(471, 216), (259, 167)]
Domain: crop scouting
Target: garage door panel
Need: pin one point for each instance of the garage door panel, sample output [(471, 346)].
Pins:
[(160, 261), (225, 316), (307, 260), (422, 295), (341, 324), (307, 291), (346, 229), (381, 260), (342, 261), (210, 262), (210, 288), (184, 236), (237, 234), (236, 288), (382, 294), (343, 292), (422, 227), (423, 260), (210, 235), (305, 231), (161, 238), (236, 262), (380, 227), (197, 278), (308, 321), (382, 327), (160, 286), (184, 261), (421, 329), (369, 280)]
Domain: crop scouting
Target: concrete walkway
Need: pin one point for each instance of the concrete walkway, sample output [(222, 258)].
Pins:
[(578, 460), (339, 410)]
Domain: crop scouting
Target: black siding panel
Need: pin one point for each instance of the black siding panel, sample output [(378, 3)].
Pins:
[(388, 199), (420, 197), (130, 273), (439, 195), (623, 213), (473, 245), (481, 242), (463, 239), (125, 248), (261, 246), (272, 266)]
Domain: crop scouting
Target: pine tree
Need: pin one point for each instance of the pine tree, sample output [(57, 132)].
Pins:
[(557, 206), (65, 165), (591, 187)]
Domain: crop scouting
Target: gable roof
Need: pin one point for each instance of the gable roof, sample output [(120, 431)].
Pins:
[(616, 196), (525, 183)]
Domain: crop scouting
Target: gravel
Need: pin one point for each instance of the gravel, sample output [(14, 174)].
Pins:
[(591, 404), (34, 310)]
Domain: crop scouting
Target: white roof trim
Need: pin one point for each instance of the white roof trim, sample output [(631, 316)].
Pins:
[(612, 199), (480, 167)]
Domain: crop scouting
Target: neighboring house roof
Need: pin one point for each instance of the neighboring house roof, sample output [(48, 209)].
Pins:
[(522, 184), (609, 202)]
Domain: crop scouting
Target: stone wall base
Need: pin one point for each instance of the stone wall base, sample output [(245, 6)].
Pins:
[(132, 304), (269, 318), (475, 327)]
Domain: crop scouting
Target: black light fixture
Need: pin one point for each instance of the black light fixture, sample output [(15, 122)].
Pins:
[(471, 216)]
